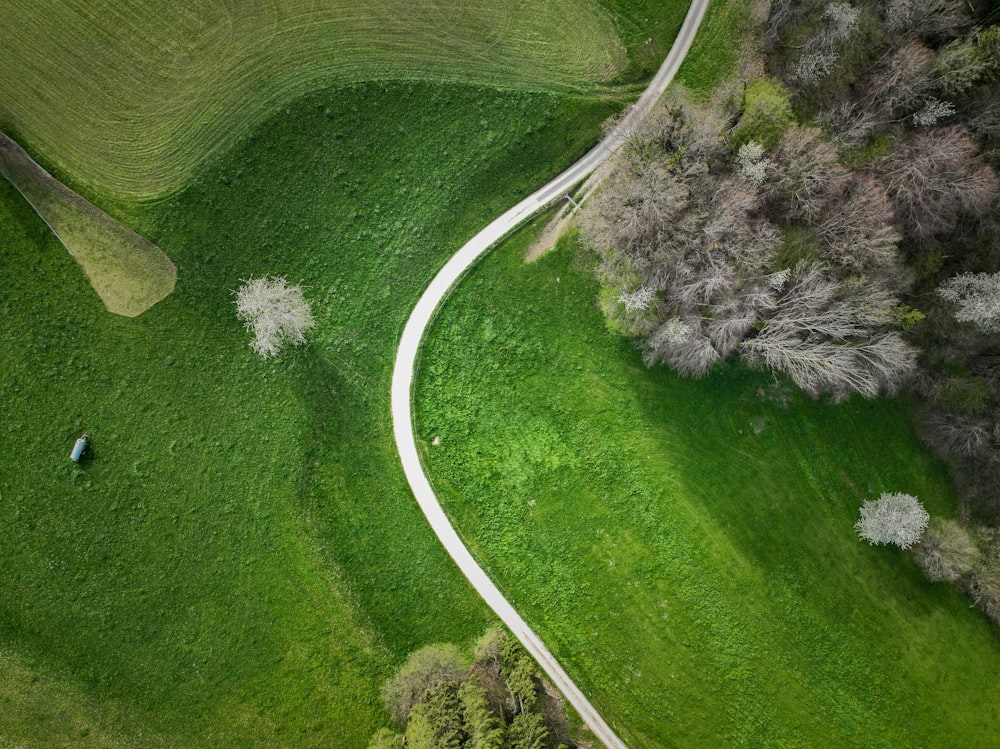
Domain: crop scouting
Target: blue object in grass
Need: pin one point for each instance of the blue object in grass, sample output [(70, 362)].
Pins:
[(78, 448)]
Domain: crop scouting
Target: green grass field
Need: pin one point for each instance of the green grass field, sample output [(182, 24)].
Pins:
[(127, 99), (686, 547), (241, 562)]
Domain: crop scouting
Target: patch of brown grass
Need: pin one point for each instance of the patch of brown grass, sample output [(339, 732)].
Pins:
[(129, 273)]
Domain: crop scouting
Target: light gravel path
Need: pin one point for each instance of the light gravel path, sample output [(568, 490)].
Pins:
[(409, 350)]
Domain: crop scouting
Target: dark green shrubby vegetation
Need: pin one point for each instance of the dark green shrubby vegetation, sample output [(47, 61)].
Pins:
[(836, 222), (496, 700)]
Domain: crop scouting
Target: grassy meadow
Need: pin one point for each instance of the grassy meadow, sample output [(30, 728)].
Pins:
[(686, 547), (128, 99), (240, 561)]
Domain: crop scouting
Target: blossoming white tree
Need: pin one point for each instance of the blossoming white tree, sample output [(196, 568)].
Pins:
[(897, 519), (638, 300), (275, 312), (753, 165), (934, 110), (978, 298)]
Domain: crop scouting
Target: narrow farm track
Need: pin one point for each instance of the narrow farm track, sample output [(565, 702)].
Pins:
[(408, 353)]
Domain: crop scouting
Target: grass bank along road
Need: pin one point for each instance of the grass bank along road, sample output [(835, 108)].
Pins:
[(419, 321)]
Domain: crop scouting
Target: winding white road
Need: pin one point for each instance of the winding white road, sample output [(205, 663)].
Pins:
[(409, 350)]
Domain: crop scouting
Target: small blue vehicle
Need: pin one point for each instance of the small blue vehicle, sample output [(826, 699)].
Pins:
[(79, 448)]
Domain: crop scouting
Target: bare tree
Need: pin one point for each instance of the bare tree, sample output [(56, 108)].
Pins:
[(829, 341), (731, 227), (968, 556), (717, 287), (783, 14), (730, 328), (985, 117), (902, 81), (984, 587), (817, 365), (682, 346), (274, 312), (896, 86), (856, 227), (701, 280), (805, 171), (850, 122), (934, 19), (635, 209), (898, 519), (756, 250), (934, 176), (690, 261), (957, 435)]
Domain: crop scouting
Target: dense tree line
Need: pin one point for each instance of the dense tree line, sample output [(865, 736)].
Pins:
[(833, 216), (496, 700), (774, 253)]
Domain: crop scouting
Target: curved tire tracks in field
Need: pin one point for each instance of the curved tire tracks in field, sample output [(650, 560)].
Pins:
[(409, 350)]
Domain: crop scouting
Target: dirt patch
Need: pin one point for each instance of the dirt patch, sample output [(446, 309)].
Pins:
[(564, 217), (545, 242)]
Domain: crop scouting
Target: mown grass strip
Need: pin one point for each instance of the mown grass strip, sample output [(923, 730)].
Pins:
[(154, 89), (129, 273)]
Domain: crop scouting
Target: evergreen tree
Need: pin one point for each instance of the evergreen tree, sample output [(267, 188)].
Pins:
[(528, 731), (439, 721), (483, 726)]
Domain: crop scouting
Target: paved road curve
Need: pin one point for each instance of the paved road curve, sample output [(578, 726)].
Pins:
[(409, 349)]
